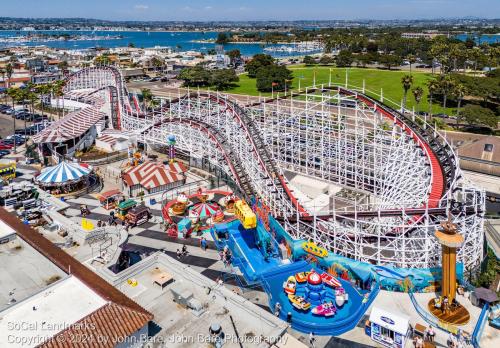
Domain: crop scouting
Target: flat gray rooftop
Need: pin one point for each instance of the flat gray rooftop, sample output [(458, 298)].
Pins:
[(177, 322), (24, 272)]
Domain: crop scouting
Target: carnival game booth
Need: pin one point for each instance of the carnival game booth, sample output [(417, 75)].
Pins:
[(388, 329), (66, 179)]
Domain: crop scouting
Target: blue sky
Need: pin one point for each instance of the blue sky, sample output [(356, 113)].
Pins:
[(250, 9)]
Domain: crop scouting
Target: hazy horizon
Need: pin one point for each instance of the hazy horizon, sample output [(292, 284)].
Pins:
[(256, 10)]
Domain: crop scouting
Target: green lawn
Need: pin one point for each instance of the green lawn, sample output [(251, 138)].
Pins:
[(389, 81)]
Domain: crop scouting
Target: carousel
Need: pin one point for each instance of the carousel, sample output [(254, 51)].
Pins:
[(66, 179)]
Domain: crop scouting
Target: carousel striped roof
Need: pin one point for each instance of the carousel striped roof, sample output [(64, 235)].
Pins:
[(61, 173)]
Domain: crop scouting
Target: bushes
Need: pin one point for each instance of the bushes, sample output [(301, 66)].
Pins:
[(258, 61), (344, 59), (477, 115), (199, 76), (273, 77)]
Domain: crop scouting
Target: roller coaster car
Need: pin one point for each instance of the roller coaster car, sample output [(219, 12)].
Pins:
[(312, 248), (245, 214), (302, 276), (299, 302), (290, 285)]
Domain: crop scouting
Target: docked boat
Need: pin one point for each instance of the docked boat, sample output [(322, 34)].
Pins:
[(314, 249), (326, 309), (299, 302), (302, 276), (330, 280), (290, 285), (341, 297)]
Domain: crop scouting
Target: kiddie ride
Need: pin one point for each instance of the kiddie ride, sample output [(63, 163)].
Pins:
[(131, 213), (315, 288)]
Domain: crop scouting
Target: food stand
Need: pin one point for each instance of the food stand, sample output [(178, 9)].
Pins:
[(110, 199), (388, 329), (138, 215)]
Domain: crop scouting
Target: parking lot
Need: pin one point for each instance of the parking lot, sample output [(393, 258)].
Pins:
[(23, 119)]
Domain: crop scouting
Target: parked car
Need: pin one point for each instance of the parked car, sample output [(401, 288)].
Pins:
[(22, 115), (40, 118), (6, 146)]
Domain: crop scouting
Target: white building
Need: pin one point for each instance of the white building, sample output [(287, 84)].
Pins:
[(52, 298)]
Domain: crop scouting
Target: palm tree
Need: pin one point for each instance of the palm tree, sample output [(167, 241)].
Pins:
[(9, 70), (459, 91), (102, 59), (493, 54), (157, 63), (446, 85), (42, 91), (32, 96), (433, 87), (411, 59), (406, 81), (63, 66), (13, 93), (475, 55), (57, 91), (418, 92), (2, 73), (147, 97)]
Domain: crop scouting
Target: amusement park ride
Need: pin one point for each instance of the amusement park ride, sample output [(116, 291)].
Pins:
[(407, 172)]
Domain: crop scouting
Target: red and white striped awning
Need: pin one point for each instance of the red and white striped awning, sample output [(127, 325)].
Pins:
[(159, 177), (151, 174), (108, 139), (177, 167), (71, 126)]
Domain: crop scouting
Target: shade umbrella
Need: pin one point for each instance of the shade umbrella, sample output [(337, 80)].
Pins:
[(204, 210), (486, 295), (62, 173)]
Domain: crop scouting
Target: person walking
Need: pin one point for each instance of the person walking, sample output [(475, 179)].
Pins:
[(179, 254), (431, 333), (203, 243), (312, 339), (277, 309)]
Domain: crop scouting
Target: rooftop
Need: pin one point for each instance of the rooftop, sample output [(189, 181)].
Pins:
[(82, 302), (24, 270), (220, 305), (48, 312)]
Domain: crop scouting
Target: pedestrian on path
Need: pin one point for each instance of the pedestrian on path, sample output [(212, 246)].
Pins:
[(312, 339), (277, 309), (203, 243)]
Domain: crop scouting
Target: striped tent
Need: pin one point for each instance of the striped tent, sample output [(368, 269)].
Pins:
[(62, 173), (204, 210)]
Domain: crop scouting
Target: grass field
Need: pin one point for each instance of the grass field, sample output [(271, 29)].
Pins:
[(389, 81)]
